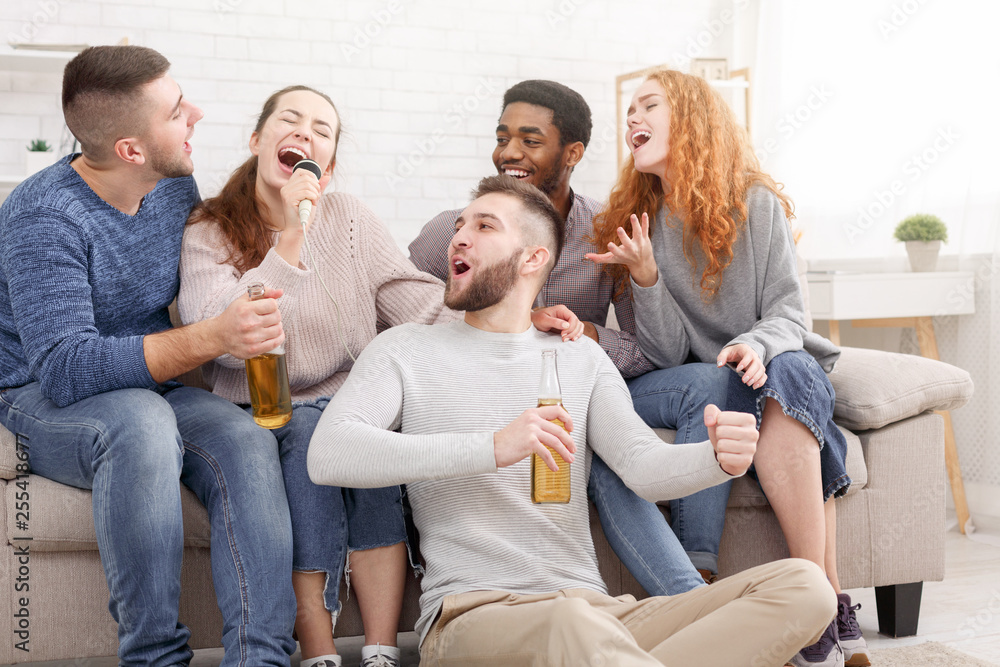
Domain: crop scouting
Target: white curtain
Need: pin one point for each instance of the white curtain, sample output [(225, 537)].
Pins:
[(871, 111)]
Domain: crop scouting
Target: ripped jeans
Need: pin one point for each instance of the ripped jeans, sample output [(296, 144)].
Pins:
[(329, 521)]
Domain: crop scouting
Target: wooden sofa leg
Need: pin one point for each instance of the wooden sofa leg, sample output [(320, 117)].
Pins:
[(898, 608)]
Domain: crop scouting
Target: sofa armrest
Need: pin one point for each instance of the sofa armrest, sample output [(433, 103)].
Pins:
[(876, 388)]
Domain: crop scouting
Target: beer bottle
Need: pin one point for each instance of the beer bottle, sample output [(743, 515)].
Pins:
[(267, 376), (548, 486)]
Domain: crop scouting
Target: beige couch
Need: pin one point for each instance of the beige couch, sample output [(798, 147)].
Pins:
[(890, 525)]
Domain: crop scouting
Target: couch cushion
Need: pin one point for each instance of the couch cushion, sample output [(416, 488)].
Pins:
[(876, 388), (8, 455), (746, 492), (61, 519)]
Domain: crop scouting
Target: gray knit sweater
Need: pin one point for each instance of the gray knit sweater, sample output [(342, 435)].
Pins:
[(448, 388), (759, 302)]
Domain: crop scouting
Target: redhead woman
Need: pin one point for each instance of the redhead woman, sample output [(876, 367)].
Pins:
[(702, 236)]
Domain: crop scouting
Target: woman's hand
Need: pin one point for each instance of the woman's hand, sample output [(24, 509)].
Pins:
[(301, 185), (635, 252), (742, 357), (558, 318)]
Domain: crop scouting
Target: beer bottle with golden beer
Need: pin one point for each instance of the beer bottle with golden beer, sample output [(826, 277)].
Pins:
[(548, 486), (267, 376)]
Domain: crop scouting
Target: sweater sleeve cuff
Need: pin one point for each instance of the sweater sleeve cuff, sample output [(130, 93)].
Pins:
[(275, 272), (130, 364)]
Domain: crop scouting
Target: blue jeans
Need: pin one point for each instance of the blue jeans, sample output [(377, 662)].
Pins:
[(132, 447), (797, 382), (675, 398), (327, 521)]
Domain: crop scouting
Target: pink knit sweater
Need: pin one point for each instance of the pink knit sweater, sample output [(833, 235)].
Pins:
[(374, 284)]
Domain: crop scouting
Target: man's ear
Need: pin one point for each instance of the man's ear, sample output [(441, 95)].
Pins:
[(129, 149), (536, 260), (573, 153)]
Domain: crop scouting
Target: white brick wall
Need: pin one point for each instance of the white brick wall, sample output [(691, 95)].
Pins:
[(418, 82)]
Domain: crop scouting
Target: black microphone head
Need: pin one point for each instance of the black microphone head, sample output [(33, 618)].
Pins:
[(310, 165)]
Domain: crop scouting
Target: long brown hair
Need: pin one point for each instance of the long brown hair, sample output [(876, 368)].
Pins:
[(236, 208), (712, 165)]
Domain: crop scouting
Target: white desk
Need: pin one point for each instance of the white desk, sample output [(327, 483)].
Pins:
[(900, 300)]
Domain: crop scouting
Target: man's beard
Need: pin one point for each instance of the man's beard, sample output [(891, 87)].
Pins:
[(548, 181), (491, 284), (168, 166)]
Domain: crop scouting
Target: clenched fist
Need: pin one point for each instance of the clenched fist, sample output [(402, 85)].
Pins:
[(734, 438)]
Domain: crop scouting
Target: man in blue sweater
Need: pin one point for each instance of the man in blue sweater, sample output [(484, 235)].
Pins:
[(89, 252)]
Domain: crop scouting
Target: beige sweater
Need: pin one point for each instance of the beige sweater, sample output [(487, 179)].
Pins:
[(374, 284)]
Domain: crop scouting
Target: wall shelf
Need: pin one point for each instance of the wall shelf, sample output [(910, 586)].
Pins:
[(34, 61)]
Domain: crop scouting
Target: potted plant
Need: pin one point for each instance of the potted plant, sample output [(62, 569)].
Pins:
[(923, 235), (40, 155)]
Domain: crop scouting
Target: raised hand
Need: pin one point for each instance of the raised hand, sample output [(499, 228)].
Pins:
[(635, 252), (734, 438), (302, 184)]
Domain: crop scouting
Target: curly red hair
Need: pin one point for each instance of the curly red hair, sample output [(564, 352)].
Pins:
[(711, 165)]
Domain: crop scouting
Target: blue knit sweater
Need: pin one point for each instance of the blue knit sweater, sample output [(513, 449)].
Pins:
[(81, 282)]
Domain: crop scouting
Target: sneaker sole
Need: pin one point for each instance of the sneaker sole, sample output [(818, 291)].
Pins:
[(858, 660)]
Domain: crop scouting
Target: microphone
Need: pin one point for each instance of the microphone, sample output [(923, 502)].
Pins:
[(305, 206)]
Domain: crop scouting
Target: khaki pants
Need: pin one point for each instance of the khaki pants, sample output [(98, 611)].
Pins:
[(759, 617)]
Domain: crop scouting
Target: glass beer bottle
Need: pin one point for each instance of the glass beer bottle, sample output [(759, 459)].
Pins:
[(267, 376), (548, 486)]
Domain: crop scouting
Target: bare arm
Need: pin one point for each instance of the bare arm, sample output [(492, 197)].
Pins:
[(245, 329)]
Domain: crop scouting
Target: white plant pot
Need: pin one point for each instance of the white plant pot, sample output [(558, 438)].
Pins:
[(38, 160), (923, 255)]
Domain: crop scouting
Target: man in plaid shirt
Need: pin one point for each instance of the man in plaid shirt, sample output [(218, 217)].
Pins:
[(542, 134)]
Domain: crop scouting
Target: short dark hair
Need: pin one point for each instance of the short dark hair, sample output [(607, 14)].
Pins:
[(101, 97), (570, 112), (544, 223)]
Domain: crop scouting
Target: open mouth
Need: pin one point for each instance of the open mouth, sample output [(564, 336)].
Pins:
[(516, 172), (639, 137), (289, 156), (458, 266)]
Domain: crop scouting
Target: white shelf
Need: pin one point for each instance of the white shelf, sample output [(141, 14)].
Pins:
[(36, 62), (863, 296)]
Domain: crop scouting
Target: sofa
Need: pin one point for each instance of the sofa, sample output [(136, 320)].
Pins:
[(890, 526)]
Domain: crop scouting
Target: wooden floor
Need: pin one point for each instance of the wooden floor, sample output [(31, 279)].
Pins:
[(963, 611)]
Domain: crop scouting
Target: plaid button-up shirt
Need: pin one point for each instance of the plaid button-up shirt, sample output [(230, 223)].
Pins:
[(575, 282)]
